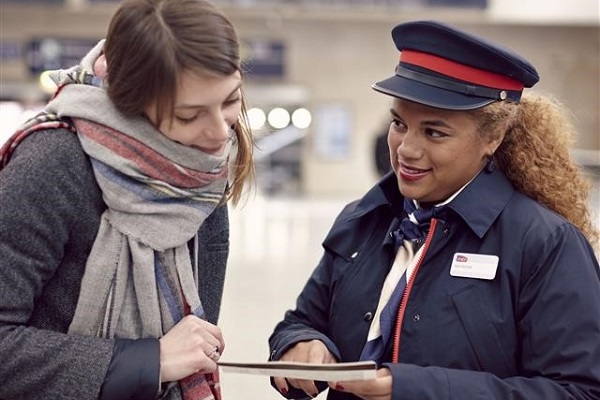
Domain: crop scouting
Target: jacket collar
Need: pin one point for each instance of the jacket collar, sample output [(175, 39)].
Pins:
[(385, 192), (478, 204)]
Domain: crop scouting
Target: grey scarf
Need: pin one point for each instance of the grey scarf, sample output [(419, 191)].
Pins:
[(139, 276)]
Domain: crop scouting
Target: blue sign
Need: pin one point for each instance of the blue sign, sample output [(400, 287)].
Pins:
[(56, 53), (11, 50), (263, 58)]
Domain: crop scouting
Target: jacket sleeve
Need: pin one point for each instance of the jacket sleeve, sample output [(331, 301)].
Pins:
[(559, 334), (134, 370), (45, 198), (308, 321)]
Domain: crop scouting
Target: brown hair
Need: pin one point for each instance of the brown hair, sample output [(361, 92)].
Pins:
[(535, 155), (148, 45)]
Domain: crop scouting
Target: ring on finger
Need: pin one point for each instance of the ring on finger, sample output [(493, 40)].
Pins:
[(215, 353)]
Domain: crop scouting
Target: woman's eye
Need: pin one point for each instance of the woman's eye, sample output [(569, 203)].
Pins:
[(435, 134), (233, 101), (398, 125), (185, 121)]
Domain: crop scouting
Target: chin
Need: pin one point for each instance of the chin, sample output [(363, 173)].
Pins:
[(407, 191)]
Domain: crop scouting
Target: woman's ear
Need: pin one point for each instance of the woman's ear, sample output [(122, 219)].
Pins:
[(100, 67), (493, 143), (491, 147)]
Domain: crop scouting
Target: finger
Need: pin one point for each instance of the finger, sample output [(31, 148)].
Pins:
[(210, 350), (212, 347), (372, 389), (220, 345), (215, 332), (206, 364), (307, 386), (281, 384), (213, 329), (208, 336), (214, 354), (357, 387), (345, 386)]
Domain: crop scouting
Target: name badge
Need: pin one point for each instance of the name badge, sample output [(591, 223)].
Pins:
[(479, 266)]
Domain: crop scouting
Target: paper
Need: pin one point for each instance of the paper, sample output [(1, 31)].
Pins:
[(318, 372)]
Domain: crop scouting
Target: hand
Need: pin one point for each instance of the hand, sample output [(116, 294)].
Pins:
[(193, 345), (314, 352), (379, 388)]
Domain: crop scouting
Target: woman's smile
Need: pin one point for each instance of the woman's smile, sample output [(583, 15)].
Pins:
[(410, 173), (433, 151)]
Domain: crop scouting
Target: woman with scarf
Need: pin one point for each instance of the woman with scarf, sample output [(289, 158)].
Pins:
[(468, 272), (113, 225)]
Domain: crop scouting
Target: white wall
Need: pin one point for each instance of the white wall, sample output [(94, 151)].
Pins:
[(336, 56), (339, 59)]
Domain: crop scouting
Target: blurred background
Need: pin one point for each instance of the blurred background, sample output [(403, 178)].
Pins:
[(310, 65)]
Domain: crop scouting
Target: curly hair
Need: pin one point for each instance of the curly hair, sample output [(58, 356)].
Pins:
[(535, 155)]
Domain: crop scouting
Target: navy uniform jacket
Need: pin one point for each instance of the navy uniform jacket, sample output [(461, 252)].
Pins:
[(531, 332)]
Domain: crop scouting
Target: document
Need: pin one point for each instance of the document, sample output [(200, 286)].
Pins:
[(349, 371)]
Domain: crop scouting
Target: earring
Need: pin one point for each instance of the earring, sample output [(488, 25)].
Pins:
[(490, 166)]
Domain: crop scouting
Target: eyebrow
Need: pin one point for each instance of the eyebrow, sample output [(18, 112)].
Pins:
[(433, 122), (200, 106)]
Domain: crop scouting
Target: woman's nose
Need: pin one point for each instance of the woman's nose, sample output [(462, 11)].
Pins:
[(410, 147), (218, 129)]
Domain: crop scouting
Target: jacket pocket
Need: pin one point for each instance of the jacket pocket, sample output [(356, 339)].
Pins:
[(473, 311)]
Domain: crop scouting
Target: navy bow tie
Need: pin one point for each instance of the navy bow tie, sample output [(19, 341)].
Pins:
[(415, 225)]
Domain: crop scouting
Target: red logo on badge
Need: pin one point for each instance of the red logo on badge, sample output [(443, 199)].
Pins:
[(460, 258)]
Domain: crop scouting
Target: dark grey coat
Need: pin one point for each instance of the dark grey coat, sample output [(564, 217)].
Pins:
[(50, 208)]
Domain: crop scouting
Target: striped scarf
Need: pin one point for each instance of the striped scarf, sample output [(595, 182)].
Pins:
[(408, 238), (140, 279)]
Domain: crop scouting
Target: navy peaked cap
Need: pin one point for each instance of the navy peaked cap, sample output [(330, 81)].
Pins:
[(444, 67)]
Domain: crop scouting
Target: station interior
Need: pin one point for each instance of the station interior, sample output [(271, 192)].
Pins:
[(311, 64)]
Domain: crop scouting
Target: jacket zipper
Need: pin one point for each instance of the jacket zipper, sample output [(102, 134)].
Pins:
[(402, 308)]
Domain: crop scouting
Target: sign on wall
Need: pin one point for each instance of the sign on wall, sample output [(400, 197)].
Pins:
[(332, 131), (54, 53), (263, 58)]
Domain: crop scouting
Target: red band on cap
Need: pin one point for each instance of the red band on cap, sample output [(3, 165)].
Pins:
[(459, 71)]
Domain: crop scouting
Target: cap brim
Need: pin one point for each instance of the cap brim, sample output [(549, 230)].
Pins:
[(432, 96)]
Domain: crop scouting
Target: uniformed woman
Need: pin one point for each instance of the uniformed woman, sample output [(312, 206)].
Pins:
[(469, 271)]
